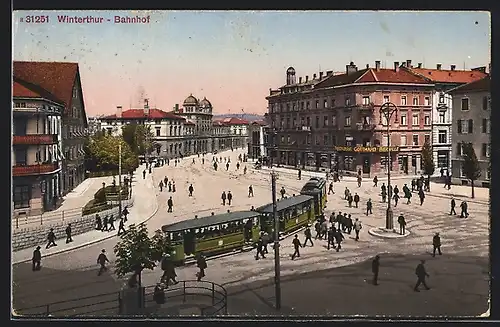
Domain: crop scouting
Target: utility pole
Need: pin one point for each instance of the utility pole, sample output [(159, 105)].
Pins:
[(120, 179), (277, 278)]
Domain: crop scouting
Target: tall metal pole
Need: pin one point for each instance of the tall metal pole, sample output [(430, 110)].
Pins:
[(389, 223), (277, 278), (120, 179)]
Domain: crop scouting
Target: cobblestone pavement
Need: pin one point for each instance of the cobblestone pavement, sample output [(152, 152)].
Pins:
[(461, 236)]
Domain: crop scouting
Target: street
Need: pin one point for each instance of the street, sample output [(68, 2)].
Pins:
[(459, 236)]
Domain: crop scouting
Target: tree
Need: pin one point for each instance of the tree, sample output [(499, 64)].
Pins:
[(137, 251), (428, 161), (138, 137), (470, 164), (102, 154)]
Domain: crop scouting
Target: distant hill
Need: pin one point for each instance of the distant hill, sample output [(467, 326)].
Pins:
[(249, 117)]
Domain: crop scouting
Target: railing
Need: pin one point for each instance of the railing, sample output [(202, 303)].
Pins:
[(216, 292), (23, 221), (27, 170), (35, 139), (365, 127), (110, 304)]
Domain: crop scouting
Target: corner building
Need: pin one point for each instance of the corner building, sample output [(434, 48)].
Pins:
[(333, 121)]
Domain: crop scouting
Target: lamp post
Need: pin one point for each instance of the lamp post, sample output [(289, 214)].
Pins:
[(277, 274), (120, 179), (387, 110)]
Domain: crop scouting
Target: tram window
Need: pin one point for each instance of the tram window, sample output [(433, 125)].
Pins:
[(256, 221), (294, 211)]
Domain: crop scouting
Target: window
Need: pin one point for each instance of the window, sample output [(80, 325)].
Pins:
[(442, 159), (465, 104), (22, 196), (441, 98), (325, 121), (325, 139), (316, 104), (415, 139), (334, 120), (427, 120), (325, 103), (294, 107), (287, 107), (459, 149), (415, 101), (158, 131), (385, 141), (442, 117), (366, 100), (403, 119), (302, 105), (485, 103), (427, 101), (308, 105), (332, 102), (427, 139), (414, 120), (308, 121), (38, 155), (21, 156), (347, 101), (403, 140), (485, 127), (403, 100), (347, 121), (316, 140), (471, 126), (442, 136), (317, 121), (485, 150), (75, 93), (386, 98)]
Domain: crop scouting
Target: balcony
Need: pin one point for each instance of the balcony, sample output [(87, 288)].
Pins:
[(366, 106), (35, 139), (304, 128), (27, 170), (365, 127)]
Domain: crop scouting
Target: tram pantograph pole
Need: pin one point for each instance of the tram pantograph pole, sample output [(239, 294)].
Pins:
[(277, 278)]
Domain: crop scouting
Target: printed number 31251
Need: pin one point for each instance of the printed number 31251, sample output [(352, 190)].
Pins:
[(37, 19)]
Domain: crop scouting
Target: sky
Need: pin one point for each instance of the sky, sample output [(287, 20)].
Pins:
[(233, 58)]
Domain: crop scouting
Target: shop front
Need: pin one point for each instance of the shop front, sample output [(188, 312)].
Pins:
[(370, 160)]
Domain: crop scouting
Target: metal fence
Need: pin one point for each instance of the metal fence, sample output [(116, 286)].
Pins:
[(23, 221)]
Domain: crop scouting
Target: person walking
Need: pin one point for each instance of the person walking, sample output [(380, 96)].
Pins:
[(421, 275), (111, 223), (173, 186), (125, 214), (283, 192), (51, 238), (396, 199), (191, 190), (375, 269), (402, 224), (250, 191), (223, 197), (436, 244), (121, 227), (170, 204), (339, 237), (356, 199), (144, 174), (98, 222), (421, 195), (452, 207), (308, 235), (105, 224), (101, 260), (349, 200), (201, 263), (296, 246), (37, 259), (260, 249), (375, 181), (369, 207), (161, 186), (299, 174), (357, 228), (463, 210), (229, 197), (330, 189), (359, 180), (68, 234), (331, 238)]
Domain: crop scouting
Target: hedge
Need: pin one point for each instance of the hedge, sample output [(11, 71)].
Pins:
[(92, 207)]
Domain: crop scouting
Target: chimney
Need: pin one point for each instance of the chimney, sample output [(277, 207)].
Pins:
[(329, 73), (351, 68), (452, 67), (403, 63), (176, 107), (320, 75), (314, 76), (419, 65), (307, 78), (300, 79), (118, 111), (377, 65), (408, 63), (396, 66), (367, 66), (438, 66), (146, 107)]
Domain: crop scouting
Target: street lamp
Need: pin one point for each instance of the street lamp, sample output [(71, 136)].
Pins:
[(277, 277), (387, 110), (120, 179)]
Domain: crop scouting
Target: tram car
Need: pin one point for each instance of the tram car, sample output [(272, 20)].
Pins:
[(293, 213), (316, 187), (212, 235)]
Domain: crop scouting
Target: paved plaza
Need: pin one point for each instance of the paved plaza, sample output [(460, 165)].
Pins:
[(465, 238)]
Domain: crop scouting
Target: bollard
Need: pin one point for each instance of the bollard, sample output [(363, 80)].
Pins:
[(41, 220), (63, 215), (184, 290), (17, 222), (213, 293)]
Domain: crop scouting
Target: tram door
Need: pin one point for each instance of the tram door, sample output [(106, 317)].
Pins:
[(189, 241)]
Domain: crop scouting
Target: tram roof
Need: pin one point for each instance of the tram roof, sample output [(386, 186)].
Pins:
[(209, 220), (285, 203)]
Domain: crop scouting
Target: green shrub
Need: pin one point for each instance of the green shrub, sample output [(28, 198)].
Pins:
[(100, 196), (92, 207)]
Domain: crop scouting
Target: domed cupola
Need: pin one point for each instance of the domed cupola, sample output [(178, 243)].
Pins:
[(205, 103), (190, 101)]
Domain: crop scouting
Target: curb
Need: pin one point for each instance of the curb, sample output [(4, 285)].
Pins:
[(393, 236), (157, 206), (461, 197)]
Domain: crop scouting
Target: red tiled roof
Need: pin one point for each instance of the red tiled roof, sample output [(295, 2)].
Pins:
[(220, 123), (335, 80), (139, 114), (57, 78), (449, 76), (235, 121), (391, 76), (259, 122), (482, 85)]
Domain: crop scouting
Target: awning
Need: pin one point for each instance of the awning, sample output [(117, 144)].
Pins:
[(80, 151)]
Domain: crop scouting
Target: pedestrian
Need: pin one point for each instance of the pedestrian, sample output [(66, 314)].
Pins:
[(375, 181), (227, 166), (283, 192), (344, 222), (168, 268), (299, 174), (144, 174), (68, 234), (338, 238), (356, 199), (101, 260), (191, 190), (165, 181), (396, 199), (436, 244), (369, 207), (37, 259), (407, 193), (161, 186), (265, 241), (202, 161), (51, 237), (349, 224), (125, 214), (413, 185), (324, 229), (346, 193), (349, 200), (308, 235), (317, 228), (237, 166), (121, 227), (452, 209), (402, 224), (296, 246), (170, 204), (98, 222), (173, 186), (331, 238), (250, 191), (260, 249), (421, 195), (339, 220), (111, 223), (201, 262), (150, 169), (421, 275), (223, 197), (375, 269), (357, 228), (359, 180), (463, 210), (170, 186), (215, 166), (105, 224), (442, 172), (330, 189), (229, 197)]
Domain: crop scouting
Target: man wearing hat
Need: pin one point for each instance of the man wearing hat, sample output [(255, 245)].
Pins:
[(37, 258), (421, 275), (375, 269), (102, 259), (308, 235), (436, 244), (202, 265)]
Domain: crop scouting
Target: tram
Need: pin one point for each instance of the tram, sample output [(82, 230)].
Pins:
[(293, 213), (212, 234), (316, 187)]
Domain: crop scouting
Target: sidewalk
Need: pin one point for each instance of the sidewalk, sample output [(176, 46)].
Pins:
[(145, 206)]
